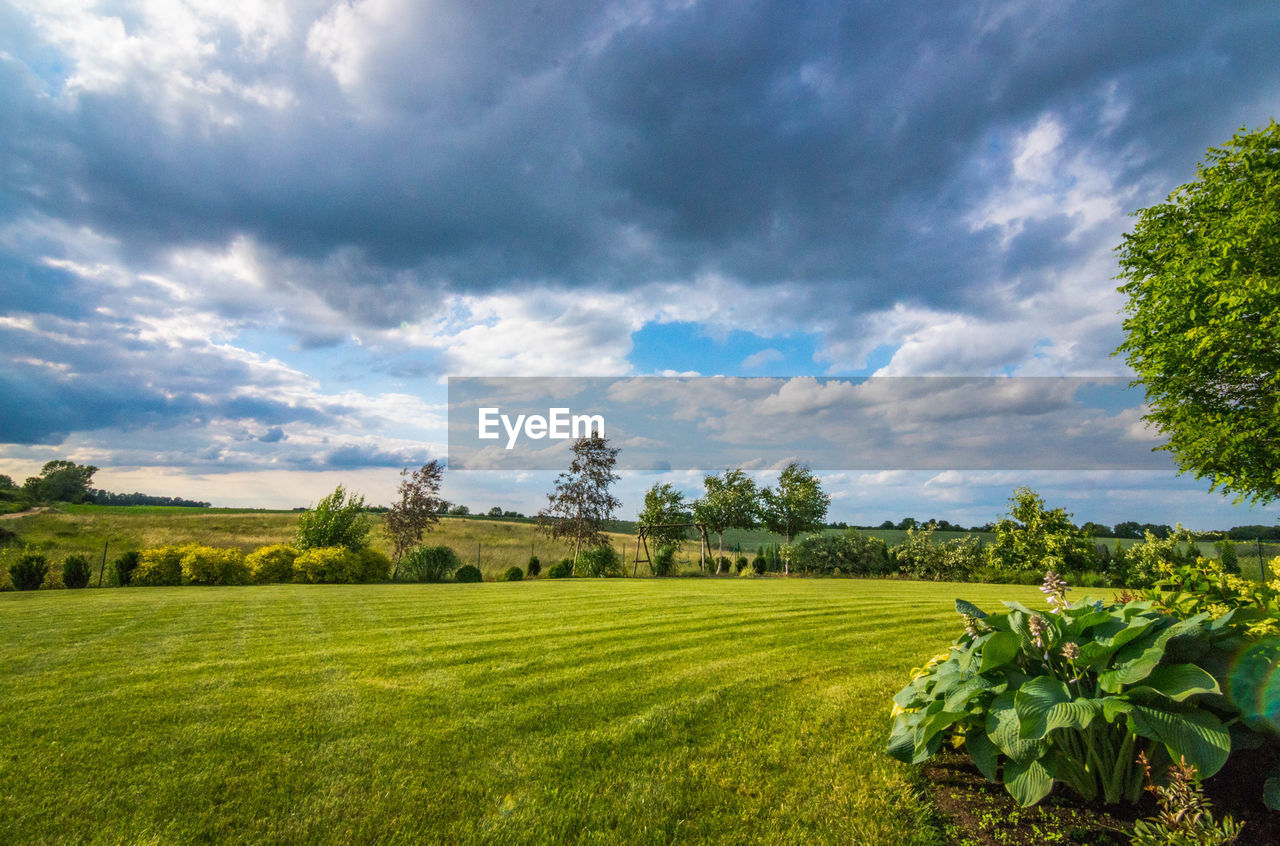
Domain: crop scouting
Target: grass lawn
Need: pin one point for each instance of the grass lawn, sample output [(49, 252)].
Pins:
[(577, 711)]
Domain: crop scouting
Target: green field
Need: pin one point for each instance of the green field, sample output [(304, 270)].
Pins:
[(575, 711)]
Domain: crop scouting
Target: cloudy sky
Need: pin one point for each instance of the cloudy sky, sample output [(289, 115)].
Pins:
[(242, 245)]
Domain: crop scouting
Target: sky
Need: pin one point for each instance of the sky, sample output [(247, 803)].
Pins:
[(244, 245)]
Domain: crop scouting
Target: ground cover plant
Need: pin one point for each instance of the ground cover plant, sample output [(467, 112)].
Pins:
[(576, 711)]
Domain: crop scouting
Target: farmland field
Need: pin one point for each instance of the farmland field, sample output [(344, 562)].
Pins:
[(577, 711)]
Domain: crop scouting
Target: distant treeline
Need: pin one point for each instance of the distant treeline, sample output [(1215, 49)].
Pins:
[(109, 498)]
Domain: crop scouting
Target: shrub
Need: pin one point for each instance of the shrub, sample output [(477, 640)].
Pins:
[(741, 564), (124, 566), (28, 571), (159, 566), (598, 561), (664, 562), (562, 569), (759, 564), (272, 563), (1227, 555), (209, 565), (373, 565), (336, 520), (430, 563), (75, 571), (1186, 815), (513, 574), (850, 554), (1072, 695), (535, 566), (324, 564), (955, 560), (468, 573)]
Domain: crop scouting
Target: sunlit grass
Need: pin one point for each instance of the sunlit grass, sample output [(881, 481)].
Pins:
[(579, 711)]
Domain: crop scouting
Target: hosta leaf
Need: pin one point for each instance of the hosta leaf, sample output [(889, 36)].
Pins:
[(1044, 704), (999, 649), (958, 699), (1178, 681), (1113, 707), (1002, 728), (984, 753), (964, 606), (1198, 736), (1027, 782), (902, 742), (1130, 672)]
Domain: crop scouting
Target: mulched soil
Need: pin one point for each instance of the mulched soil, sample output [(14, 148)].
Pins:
[(974, 812)]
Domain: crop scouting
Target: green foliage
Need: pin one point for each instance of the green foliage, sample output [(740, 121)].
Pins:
[(534, 566), (160, 566), (75, 571), (325, 564), (123, 566), (1032, 539), (337, 520), (797, 505), (431, 563), (955, 560), (373, 565), (580, 503), (664, 562), (731, 501), (61, 481), (1202, 327), (512, 574), (29, 571), (468, 573), (562, 569), (1072, 695), (1141, 565), (848, 554), (1186, 814), (418, 509), (272, 563), (1228, 557), (209, 565), (1203, 586), (599, 561), (664, 506), (760, 564)]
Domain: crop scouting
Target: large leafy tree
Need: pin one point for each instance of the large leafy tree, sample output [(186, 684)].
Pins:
[(61, 481), (798, 504), (664, 510), (731, 501), (1203, 317), (418, 509), (1031, 537), (337, 520), (580, 503)]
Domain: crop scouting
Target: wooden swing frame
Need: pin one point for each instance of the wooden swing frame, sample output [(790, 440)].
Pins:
[(642, 542)]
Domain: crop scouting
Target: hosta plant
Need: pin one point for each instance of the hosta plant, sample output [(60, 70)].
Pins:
[(1071, 695)]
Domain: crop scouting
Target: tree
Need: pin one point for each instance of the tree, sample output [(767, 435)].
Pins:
[(418, 510), (6, 483), (1032, 538), (61, 481), (496, 511), (730, 502), (580, 503), (336, 520), (663, 506), (1202, 325), (798, 505)]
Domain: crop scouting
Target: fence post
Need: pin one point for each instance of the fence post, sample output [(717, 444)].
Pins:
[(103, 568)]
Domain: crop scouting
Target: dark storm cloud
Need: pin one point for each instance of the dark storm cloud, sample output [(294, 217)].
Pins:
[(483, 145)]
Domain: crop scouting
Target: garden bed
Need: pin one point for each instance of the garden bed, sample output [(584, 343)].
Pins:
[(975, 812)]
